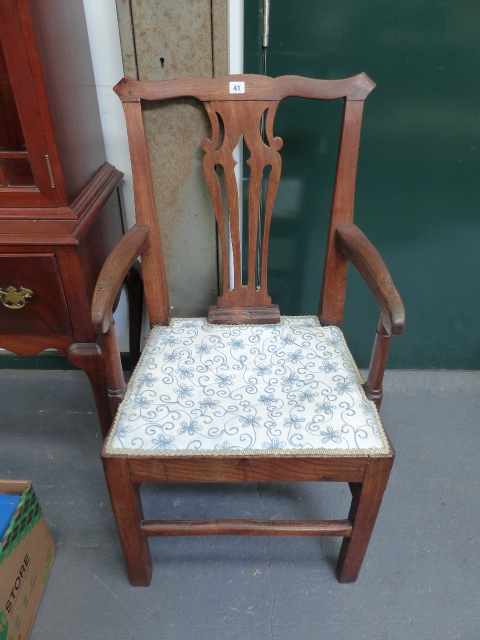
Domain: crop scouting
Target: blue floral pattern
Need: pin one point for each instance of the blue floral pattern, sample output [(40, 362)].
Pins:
[(225, 389)]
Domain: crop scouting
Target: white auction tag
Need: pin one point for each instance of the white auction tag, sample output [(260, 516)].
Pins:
[(237, 87)]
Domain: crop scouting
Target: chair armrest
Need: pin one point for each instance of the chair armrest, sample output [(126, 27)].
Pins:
[(355, 246), (113, 273)]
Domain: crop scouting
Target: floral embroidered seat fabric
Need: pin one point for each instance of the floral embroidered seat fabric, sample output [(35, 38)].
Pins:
[(269, 389)]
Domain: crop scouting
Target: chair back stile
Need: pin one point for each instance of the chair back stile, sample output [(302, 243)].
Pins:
[(251, 115), (334, 283), (153, 265)]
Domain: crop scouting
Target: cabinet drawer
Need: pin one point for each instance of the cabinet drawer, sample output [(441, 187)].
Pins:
[(45, 311)]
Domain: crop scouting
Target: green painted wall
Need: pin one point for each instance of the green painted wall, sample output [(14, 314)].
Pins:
[(418, 188)]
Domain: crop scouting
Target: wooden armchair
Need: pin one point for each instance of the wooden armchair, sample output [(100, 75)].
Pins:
[(246, 395)]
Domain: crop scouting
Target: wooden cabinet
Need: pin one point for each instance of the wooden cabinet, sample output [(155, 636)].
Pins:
[(59, 206)]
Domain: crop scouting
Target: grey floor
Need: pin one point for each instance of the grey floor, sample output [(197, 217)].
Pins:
[(420, 580)]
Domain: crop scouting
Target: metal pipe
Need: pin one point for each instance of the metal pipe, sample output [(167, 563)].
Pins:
[(265, 23)]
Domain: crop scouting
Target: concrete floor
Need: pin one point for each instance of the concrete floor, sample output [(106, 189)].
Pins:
[(420, 580)]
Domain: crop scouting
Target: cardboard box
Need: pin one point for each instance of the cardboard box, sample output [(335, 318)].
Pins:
[(26, 557)]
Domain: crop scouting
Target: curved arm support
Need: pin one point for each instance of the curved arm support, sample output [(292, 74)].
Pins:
[(355, 246), (113, 273)]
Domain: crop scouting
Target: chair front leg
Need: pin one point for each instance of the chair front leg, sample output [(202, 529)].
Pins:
[(366, 499), (128, 512)]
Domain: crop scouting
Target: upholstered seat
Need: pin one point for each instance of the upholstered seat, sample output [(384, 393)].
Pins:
[(246, 389)]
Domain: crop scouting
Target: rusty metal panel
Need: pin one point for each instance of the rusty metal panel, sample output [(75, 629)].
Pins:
[(125, 27), (174, 39), (220, 37)]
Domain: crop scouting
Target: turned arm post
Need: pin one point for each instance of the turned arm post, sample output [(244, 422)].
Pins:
[(113, 366), (374, 383)]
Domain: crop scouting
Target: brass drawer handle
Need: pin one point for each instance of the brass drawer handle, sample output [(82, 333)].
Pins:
[(13, 299)]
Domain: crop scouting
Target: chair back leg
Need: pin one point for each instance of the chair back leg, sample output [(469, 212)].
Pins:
[(128, 512), (366, 500)]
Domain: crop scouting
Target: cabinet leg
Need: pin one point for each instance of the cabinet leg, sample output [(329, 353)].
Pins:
[(89, 358)]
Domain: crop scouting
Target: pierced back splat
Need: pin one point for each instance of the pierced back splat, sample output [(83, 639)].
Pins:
[(250, 302)]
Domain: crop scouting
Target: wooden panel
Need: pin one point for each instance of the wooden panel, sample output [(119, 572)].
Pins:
[(63, 47), (46, 312), (11, 134), (98, 242), (69, 265), (252, 469), (25, 77), (35, 344)]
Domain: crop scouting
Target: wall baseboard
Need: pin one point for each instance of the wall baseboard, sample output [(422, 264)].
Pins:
[(46, 361)]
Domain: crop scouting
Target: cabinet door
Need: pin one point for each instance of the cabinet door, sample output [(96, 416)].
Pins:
[(26, 178)]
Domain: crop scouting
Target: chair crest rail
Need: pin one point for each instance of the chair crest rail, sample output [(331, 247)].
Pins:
[(256, 88)]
